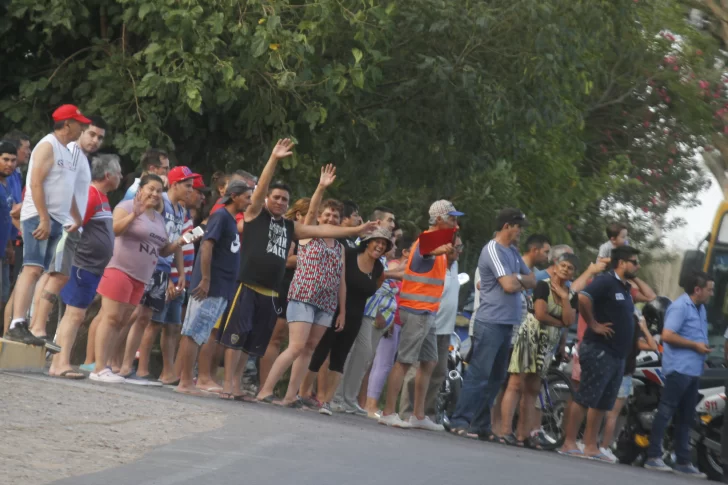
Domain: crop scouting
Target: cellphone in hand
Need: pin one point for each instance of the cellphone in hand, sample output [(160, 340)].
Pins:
[(193, 234)]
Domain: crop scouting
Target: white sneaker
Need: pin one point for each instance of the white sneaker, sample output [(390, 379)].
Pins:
[(106, 376), (426, 424), (394, 421), (608, 453), (338, 407)]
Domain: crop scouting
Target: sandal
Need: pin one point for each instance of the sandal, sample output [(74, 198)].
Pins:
[(70, 374), (512, 440), (228, 396), (492, 438), (267, 399)]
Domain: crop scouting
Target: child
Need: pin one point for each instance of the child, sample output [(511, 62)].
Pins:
[(617, 234)]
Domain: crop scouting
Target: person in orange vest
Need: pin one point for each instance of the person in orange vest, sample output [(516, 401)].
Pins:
[(422, 285)]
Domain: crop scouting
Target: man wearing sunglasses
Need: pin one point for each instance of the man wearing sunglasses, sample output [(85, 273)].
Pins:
[(607, 307)]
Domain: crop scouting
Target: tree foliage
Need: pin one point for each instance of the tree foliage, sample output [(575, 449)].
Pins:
[(569, 110)]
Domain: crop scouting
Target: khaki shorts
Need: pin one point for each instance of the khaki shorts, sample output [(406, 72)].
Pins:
[(417, 340)]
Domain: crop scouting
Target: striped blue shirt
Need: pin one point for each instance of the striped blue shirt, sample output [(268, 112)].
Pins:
[(384, 301)]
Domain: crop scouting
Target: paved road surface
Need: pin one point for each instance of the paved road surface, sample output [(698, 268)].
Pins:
[(264, 444)]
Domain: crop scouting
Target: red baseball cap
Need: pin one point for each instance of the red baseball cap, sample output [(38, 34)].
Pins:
[(199, 184), (70, 112), (179, 174)]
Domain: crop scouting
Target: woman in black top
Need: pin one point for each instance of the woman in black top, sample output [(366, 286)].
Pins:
[(364, 274)]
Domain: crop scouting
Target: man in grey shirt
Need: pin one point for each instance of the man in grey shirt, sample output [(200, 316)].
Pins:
[(504, 275)]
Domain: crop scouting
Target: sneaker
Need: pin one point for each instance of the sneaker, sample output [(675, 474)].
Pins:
[(689, 471), (426, 424), (354, 409), (325, 409), (608, 453), (87, 367), (146, 380), (21, 333), (106, 376), (394, 421), (338, 407), (657, 464), (50, 345), (310, 402), (360, 411)]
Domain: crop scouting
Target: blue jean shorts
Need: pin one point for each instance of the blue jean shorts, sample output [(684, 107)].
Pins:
[(303, 312), (35, 252), (201, 317), (171, 314), (625, 389), (80, 290)]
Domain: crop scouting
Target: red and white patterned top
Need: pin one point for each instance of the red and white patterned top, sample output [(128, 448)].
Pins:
[(318, 275)]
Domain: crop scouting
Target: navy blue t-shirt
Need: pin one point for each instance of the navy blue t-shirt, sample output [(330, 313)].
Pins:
[(222, 229), (612, 302), (6, 204)]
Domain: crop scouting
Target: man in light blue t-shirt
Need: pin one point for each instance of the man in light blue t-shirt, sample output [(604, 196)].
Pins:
[(503, 276)]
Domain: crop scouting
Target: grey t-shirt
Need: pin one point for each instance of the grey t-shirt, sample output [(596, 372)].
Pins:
[(497, 306), (605, 250)]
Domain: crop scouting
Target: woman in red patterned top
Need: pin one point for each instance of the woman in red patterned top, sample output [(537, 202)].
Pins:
[(318, 287)]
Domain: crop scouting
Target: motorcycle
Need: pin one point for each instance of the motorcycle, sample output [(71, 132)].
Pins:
[(707, 430)]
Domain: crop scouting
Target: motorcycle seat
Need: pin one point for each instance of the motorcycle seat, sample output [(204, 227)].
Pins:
[(713, 378)]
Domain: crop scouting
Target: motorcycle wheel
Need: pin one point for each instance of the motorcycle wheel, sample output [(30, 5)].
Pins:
[(709, 463), (627, 451)]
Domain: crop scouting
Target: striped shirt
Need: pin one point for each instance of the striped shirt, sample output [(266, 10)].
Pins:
[(384, 301), (188, 250)]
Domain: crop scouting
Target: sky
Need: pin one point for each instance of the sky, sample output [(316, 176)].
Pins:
[(699, 219)]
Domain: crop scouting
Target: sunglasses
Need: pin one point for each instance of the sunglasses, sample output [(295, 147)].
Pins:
[(633, 261)]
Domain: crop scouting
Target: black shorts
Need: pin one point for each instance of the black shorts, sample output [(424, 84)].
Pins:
[(601, 376), (155, 293), (248, 322)]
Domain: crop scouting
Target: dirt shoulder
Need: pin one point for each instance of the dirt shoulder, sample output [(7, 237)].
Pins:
[(53, 429)]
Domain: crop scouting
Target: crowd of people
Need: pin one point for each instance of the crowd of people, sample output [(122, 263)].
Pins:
[(224, 273)]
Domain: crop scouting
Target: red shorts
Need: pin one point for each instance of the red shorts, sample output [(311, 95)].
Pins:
[(119, 286)]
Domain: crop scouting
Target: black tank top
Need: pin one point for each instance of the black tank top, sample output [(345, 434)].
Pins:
[(264, 250)]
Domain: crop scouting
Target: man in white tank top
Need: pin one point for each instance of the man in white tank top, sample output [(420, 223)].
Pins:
[(52, 282), (49, 205)]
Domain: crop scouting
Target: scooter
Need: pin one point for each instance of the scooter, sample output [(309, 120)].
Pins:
[(707, 430)]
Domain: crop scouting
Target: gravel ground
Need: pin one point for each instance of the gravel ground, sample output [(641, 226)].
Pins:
[(54, 428)]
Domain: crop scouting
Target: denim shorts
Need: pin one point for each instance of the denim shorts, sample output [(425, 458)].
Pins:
[(298, 311), (601, 377), (201, 317), (35, 252), (172, 312), (80, 290), (625, 389)]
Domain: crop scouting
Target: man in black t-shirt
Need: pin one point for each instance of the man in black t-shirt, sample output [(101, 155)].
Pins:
[(249, 320)]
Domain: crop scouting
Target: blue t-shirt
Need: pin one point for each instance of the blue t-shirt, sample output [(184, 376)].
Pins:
[(221, 228), (690, 322), (174, 219), (497, 306), (612, 303), (15, 185), (131, 191), (6, 204)]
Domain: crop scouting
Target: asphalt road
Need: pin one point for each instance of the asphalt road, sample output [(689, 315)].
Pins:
[(265, 444)]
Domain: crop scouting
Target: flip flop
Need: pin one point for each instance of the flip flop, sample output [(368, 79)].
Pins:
[(170, 384), (267, 399), (245, 398), (194, 392), (214, 389), (601, 457), (576, 453), (228, 396), (70, 374), (512, 440)]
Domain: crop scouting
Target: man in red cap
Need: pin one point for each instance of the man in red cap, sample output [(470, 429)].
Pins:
[(162, 301), (48, 207)]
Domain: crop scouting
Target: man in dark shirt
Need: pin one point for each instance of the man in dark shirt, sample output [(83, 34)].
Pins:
[(607, 307)]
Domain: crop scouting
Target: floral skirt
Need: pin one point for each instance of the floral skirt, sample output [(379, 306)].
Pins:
[(534, 347)]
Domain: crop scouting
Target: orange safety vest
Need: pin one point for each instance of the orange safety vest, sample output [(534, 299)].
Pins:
[(423, 291)]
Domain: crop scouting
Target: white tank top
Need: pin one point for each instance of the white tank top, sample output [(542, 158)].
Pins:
[(58, 185)]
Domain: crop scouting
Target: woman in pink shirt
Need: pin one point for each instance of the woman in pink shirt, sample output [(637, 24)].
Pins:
[(141, 239)]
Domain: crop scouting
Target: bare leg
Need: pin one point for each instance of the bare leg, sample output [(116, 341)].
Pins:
[(117, 357), (134, 338), (594, 419), (508, 404), (611, 424), (274, 349), (422, 384), (575, 417), (37, 297), (530, 385), (232, 358), (65, 337), (24, 290), (495, 411), (298, 336), (169, 342), (333, 379), (239, 371), (394, 386), (206, 363), (113, 316), (48, 300), (300, 365), (90, 349), (322, 379), (306, 389), (186, 358), (145, 347)]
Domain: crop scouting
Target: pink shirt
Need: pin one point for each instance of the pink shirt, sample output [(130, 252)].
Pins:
[(137, 250)]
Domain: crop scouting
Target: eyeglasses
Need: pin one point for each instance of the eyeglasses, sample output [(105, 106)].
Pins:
[(633, 261)]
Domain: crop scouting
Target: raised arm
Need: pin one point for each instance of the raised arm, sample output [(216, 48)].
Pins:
[(281, 150), (644, 294), (328, 175), (302, 231), (583, 280)]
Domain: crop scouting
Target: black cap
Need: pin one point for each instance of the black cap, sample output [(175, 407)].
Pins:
[(510, 216), (235, 187)]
